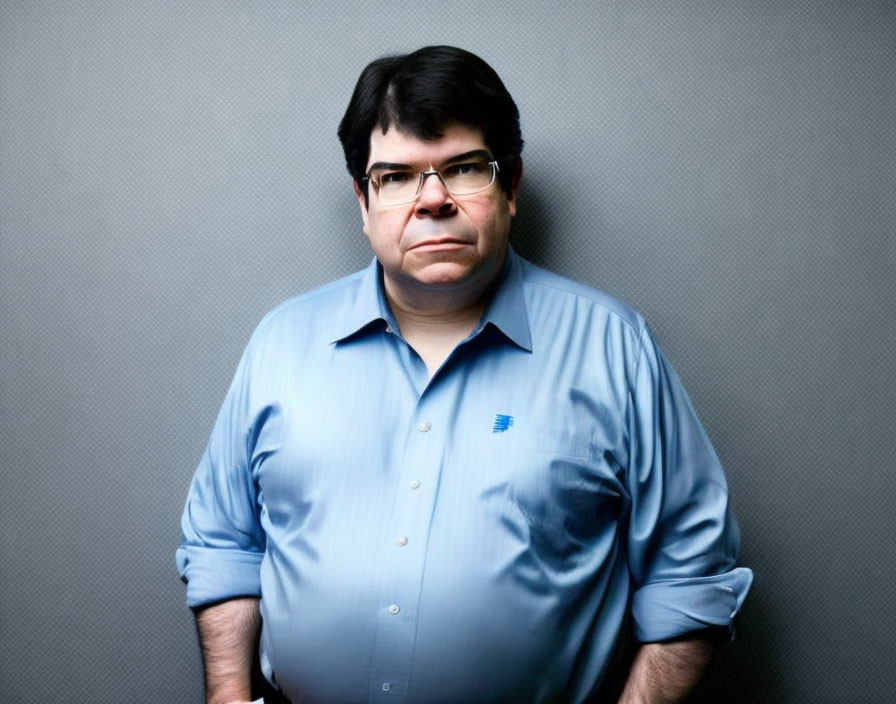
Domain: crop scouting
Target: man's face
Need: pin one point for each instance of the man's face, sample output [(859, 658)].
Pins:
[(439, 241)]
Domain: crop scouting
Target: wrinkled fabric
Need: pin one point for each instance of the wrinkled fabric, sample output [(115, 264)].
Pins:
[(475, 536)]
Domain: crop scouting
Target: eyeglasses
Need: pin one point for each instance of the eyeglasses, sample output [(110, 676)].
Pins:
[(402, 186)]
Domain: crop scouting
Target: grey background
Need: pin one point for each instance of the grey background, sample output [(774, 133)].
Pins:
[(169, 171)]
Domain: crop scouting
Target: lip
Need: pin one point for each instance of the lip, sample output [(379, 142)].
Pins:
[(440, 245)]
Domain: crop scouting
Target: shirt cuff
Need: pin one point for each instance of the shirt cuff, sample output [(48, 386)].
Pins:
[(215, 574), (666, 610)]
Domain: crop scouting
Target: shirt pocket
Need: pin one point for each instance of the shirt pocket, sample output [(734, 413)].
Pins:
[(567, 488)]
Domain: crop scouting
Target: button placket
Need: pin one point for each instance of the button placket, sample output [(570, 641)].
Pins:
[(409, 521)]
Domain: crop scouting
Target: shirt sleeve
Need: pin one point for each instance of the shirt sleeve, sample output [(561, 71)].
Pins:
[(682, 536), (223, 542)]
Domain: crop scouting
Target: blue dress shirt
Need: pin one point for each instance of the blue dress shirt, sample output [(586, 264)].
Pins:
[(475, 536)]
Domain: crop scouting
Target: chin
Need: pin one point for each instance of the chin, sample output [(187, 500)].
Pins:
[(443, 274), (443, 283)]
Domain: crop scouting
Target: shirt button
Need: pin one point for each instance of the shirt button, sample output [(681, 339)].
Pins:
[(394, 609), (400, 542), (424, 426), (415, 484), (386, 686)]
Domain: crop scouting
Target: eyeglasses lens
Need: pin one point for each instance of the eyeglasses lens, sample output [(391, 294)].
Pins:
[(402, 186)]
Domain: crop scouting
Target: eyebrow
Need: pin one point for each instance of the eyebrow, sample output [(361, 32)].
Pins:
[(392, 166)]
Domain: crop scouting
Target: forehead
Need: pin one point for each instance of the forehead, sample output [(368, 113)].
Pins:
[(393, 145)]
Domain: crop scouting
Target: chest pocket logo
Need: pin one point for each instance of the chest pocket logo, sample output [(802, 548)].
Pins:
[(502, 423)]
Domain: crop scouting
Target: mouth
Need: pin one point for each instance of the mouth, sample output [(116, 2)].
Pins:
[(440, 244)]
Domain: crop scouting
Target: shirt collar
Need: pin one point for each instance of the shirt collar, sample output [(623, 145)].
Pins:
[(366, 306), (506, 310)]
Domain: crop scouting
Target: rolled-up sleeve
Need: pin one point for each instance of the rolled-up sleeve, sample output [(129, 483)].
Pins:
[(682, 536), (223, 543)]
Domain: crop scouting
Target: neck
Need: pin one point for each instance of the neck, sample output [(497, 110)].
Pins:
[(433, 307), (434, 321), (434, 326)]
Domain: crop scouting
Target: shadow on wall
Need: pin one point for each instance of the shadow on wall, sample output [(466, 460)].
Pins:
[(536, 234)]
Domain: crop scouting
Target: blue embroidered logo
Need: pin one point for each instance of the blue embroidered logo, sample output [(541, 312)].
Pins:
[(502, 423)]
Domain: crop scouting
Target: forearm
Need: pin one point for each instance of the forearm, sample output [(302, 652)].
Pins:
[(228, 632), (664, 673)]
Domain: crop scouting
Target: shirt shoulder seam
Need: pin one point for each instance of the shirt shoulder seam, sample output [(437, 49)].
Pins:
[(636, 329)]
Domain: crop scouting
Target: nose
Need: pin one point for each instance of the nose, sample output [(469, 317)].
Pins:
[(434, 199)]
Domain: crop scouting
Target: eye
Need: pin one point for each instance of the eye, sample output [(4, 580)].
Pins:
[(394, 178), (466, 168)]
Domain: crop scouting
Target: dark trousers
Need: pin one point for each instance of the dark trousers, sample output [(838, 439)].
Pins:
[(271, 695)]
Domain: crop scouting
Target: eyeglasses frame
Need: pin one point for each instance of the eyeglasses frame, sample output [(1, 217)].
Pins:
[(493, 164)]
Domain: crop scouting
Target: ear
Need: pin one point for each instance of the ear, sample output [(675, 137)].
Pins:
[(514, 185), (362, 201)]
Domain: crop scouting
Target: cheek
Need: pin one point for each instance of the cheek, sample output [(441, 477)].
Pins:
[(384, 228), (495, 226), (491, 215)]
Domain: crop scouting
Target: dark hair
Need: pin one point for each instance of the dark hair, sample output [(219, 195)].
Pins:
[(422, 93)]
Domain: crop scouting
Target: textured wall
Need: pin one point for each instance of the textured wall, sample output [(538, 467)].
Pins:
[(169, 171)]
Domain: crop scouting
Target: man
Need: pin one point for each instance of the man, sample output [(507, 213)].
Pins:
[(454, 476)]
